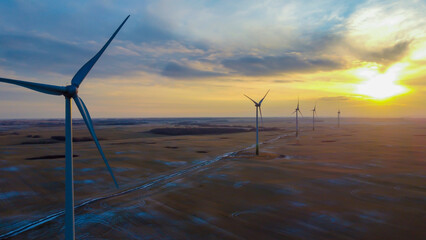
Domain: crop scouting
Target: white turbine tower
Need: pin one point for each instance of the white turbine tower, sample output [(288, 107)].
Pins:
[(314, 113), (69, 92), (258, 109), (297, 110)]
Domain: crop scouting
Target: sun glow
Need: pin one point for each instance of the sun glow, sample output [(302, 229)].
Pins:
[(381, 85)]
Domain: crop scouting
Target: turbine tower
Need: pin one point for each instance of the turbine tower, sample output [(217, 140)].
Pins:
[(314, 113), (297, 111), (338, 118), (70, 92), (258, 109)]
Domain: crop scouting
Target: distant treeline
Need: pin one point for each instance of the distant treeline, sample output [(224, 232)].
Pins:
[(57, 139), (204, 130)]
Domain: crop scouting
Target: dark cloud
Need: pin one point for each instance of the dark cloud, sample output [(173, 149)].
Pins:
[(178, 71), (287, 81), (30, 55), (38, 54), (148, 33), (50, 37), (256, 66), (334, 99), (148, 29), (317, 42), (389, 54)]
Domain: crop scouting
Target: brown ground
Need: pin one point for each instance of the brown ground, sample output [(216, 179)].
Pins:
[(366, 180)]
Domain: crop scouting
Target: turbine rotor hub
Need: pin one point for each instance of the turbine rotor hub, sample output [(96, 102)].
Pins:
[(71, 91)]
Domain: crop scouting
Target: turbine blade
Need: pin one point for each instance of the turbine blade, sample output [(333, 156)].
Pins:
[(39, 87), (82, 73), (88, 120), (264, 97), (294, 112), (301, 113), (250, 99), (261, 117)]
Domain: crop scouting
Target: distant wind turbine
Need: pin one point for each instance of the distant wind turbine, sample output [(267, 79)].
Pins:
[(258, 109), (314, 113), (297, 110), (69, 92), (338, 118)]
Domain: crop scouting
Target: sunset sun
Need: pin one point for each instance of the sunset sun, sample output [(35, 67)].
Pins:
[(378, 85)]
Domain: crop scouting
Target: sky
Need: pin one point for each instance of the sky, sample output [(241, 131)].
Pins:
[(197, 58)]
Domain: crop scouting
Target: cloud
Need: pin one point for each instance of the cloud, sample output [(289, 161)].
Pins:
[(418, 81), (252, 24), (168, 49), (38, 39), (391, 54), (269, 65), (386, 55), (177, 71), (384, 31), (382, 23), (334, 99), (287, 81), (32, 53), (148, 28), (154, 36)]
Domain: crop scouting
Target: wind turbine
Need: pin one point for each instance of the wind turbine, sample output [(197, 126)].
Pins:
[(314, 113), (258, 109), (338, 118), (70, 92), (297, 110)]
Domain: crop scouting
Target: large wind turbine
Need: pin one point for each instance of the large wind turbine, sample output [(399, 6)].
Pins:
[(70, 92), (314, 113), (297, 110), (258, 109)]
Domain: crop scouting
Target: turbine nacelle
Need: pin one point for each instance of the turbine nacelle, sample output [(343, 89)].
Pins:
[(258, 104), (70, 91), (297, 109)]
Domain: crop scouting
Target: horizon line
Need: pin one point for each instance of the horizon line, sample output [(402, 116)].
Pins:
[(308, 117)]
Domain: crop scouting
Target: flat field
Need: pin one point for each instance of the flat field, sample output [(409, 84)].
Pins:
[(364, 180)]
